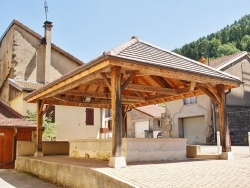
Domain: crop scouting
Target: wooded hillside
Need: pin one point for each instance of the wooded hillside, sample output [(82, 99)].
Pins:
[(229, 40)]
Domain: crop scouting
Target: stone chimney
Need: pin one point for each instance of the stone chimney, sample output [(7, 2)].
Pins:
[(47, 50), (44, 55)]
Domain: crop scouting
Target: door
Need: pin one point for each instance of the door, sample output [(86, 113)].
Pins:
[(140, 127), (6, 147), (194, 130)]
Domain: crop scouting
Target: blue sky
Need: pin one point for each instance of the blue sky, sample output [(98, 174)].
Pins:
[(88, 28)]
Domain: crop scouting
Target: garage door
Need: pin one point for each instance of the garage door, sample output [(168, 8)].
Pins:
[(194, 130), (140, 127)]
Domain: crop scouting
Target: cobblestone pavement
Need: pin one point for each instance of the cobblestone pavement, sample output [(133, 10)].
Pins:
[(189, 173)]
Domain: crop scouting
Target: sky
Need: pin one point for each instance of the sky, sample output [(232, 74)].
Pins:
[(87, 28)]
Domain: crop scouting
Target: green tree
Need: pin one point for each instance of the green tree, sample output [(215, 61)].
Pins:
[(245, 42), (49, 132), (227, 49), (228, 40)]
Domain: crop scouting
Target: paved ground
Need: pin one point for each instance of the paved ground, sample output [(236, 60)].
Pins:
[(184, 174), (189, 173), (14, 179)]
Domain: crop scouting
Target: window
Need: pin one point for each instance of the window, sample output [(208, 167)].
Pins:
[(89, 116), (51, 113), (159, 123), (190, 100)]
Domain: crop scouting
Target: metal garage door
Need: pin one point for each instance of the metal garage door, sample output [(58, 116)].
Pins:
[(140, 127), (194, 130)]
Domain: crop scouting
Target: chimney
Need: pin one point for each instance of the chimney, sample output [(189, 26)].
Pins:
[(47, 50)]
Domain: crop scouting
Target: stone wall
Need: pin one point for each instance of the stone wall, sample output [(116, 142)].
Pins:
[(239, 123), (6, 64), (135, 116), (134, 149)]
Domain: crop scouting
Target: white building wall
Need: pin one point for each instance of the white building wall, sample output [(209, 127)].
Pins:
[(70, 123)]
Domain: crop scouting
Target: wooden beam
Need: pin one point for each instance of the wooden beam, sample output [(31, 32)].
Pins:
[(99, 95), (145, 88), (172, 73), (213, 90), (106, 80), (192, 86), (67, 83), (209, 93), (224, 130), (116, 111), (47, 108), (124, 85), (39, 129)]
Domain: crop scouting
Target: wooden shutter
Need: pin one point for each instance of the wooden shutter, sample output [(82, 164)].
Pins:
[(89, 116)]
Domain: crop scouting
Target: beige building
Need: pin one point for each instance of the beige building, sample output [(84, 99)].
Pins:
[(27, 62), (144, 121), (196, 119)]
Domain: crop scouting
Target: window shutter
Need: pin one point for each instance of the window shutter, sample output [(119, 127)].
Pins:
[(89, 116)]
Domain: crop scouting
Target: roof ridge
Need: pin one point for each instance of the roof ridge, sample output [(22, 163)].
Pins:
[(38, 36), (120, 48), (234, 58)]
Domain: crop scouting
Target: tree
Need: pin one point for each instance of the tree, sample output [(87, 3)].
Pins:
[(227, 49), (227, 41), (49, 132), (245, 42)]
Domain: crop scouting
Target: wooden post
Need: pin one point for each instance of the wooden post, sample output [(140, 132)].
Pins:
[(117, 160), (39, 131), (124, 122), (224, 130)]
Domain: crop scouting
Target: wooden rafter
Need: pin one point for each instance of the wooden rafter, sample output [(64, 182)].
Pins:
[(213, 90), (152, 89), (192, 86), (124, 84), (209, 93), (175, 74), (106, 80)]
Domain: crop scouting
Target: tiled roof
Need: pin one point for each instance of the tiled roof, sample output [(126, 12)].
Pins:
[(30, 85), (220, 62), (9, 117), (140, 51), (152, 110), (15, 122), (25, 85), (33, 33), (7, 112)]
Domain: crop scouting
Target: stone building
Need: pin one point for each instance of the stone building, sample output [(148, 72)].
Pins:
[(27, 62), (195, 118), (147, 118)]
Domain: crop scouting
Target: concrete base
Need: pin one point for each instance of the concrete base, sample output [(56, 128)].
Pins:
[(117, 162), (227, 155), (38, 154)]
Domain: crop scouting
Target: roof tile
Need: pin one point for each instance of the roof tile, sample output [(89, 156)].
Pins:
[(218, 62), (152, 110)]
